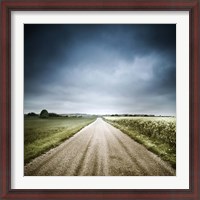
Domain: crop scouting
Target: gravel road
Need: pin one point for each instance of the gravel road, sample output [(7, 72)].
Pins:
[(99, 149)]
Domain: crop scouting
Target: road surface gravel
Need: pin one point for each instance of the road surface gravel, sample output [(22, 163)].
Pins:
[(99, 149)]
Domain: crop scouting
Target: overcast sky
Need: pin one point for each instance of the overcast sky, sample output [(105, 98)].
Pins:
[(100, 69)]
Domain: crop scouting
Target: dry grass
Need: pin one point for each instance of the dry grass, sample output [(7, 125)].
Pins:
[(157, 134)]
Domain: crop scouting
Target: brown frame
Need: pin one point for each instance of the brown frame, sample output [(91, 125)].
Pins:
[(7, 6)]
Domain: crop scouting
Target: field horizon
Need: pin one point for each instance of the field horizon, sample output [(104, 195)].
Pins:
[(104, 114)]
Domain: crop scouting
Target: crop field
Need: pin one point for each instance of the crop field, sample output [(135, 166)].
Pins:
[(40, 135), (157, 134)]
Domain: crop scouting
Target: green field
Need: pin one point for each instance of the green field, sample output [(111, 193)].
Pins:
[(40, 135), (157, 134)]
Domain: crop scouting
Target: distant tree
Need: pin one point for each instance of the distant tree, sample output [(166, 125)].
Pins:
[(32, 114), (44, 114), (53, 115)]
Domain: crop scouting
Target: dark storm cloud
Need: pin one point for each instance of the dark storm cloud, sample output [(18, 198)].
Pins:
[(100, 68)]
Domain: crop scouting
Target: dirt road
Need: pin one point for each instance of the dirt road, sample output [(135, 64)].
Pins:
[(99, 150)]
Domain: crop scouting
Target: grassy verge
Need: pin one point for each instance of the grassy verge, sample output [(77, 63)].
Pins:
[(40, 135), (157, 134)]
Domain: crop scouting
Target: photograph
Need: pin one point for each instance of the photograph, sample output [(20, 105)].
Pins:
[(99, 99)]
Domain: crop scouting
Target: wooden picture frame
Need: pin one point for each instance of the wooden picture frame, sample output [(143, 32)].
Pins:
[(7, 6)]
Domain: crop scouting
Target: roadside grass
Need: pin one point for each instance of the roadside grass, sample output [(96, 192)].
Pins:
[(40, 135), (157, 134)]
